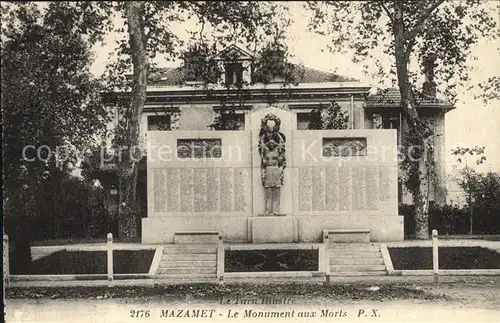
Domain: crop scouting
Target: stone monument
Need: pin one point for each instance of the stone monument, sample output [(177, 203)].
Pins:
[(238, 183)]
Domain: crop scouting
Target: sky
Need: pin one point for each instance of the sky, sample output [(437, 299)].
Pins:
[(471, 123)]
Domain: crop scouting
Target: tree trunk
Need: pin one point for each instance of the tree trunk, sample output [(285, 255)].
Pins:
[(128, 210), (420, 190), (128, 163)]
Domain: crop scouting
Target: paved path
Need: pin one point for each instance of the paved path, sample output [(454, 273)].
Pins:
[(471, 301), (272, 280)]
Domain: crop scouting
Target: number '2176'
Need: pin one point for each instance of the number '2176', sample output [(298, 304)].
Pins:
[(139, 313)]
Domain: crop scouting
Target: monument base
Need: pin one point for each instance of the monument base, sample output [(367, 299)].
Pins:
[(269, 215), (274, 229), (265, 229)]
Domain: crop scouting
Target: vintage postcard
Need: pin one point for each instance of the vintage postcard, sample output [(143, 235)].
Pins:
[(180, 161)]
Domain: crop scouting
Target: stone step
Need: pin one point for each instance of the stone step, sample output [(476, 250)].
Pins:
[(190, 249), (344, 254), (344, 268), (187, 270), (181, 270), (189, 263), (189, 257), (184, 276), (353, 247), (358, 273), (357, 261)]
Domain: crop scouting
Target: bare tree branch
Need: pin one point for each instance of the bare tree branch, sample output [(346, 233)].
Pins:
[(387, 11)]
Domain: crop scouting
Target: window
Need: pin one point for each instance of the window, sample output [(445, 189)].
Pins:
[(231, 118), (386, 120), (159, 123), (234, 74), (240, 118), (303, 120)]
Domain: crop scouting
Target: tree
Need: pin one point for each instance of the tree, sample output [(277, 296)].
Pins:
[(486, 203), (430, 31), (469, 180), (270, 63), (226, 119), (51, 111), (148, 33), (330, 116)]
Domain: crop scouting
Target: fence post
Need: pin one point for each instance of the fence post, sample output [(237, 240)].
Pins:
[(435, 255), (220, 259), (110, 256), (326, 259), (6, 269)]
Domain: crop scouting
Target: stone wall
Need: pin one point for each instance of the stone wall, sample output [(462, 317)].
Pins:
[(207, 190), (324, 187), (335, 190)]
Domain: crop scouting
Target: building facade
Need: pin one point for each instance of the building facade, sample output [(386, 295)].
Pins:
[(177, 101)]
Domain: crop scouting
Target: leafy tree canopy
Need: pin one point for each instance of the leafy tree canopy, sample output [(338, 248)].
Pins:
[(52, 111), (447, 29), (49, 96), (330, 116)]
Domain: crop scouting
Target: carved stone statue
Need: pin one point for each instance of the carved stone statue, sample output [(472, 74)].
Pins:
[(273, 162)]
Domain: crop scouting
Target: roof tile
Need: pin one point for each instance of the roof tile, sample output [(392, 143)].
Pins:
[(175, 76), (392, 97)]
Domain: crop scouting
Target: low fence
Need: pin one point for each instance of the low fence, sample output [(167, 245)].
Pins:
[(109, 247), (323, 265), (6, 269)]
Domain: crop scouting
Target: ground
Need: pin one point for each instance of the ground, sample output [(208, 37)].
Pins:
[(466, 299)]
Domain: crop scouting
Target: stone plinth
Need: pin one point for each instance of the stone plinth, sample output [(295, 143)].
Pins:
[(196, 237), (274, 229), (348, 235), (385, 227)]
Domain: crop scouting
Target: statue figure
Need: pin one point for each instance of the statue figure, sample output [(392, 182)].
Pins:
[(273, 163)]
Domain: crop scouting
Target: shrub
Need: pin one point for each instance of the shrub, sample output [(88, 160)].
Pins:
[(453, 219)]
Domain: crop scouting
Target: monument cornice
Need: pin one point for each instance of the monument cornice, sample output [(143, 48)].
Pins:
[(247, 95)]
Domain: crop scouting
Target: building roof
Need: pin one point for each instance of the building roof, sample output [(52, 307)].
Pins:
[(175, 76), (391, 97)]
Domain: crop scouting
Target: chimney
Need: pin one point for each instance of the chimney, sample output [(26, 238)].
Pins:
[(429, 87)]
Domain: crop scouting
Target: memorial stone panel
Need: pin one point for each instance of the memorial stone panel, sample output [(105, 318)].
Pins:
[(213, 196), (331, 189), (159, 190), (226, 190), (318, 189), (342, 188), (384, 185), (173, 189), (200, 190), (239, 191), (345, 187), (305, 189), (371, 193)]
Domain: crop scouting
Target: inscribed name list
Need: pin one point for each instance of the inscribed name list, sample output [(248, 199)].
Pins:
[(200, 190), (344, 188)]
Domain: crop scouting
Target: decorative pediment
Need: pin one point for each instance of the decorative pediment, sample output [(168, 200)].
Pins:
[(233, 52)]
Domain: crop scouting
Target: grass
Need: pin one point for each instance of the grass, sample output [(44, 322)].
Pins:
[(215, 292), (92, 262), (271, 260), (62, 242), (411, 258)]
